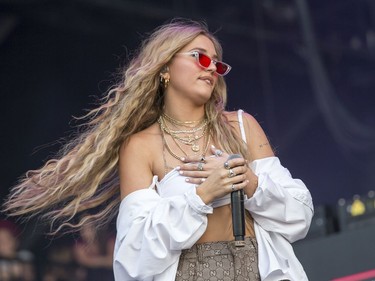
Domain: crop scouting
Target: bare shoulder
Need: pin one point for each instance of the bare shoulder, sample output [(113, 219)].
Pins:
[(232, 116), (257, 141), (137, 141), (136, 160)]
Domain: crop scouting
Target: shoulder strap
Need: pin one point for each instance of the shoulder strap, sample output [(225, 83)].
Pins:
[(240, 121)]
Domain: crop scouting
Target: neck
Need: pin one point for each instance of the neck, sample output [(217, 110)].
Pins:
[(193, 116), (183, 109), (181, 122)]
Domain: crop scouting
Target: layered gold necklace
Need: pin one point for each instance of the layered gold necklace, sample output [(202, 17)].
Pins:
[(195, 130)]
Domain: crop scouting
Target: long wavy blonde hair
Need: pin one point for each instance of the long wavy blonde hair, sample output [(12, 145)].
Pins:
[(83, 177)]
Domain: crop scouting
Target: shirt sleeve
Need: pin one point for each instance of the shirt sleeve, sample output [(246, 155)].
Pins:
[(281, 203), (152, 231)]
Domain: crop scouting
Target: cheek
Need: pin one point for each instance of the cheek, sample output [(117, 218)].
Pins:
[(184, 68), (180, 83), (183, 75)]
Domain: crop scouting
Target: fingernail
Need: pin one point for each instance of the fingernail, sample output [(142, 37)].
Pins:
[(181, 172), (178, 168), (183, 159), (187, 180), (212, 146)]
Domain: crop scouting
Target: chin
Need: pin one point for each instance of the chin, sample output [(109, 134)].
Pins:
[(203, 99)]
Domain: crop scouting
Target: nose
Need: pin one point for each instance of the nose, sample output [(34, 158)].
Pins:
[(211, 67)]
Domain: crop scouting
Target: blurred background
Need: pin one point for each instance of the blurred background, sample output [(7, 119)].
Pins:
[(304, 68)]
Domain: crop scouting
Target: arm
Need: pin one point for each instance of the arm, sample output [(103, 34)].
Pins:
[(278, 203), (151, 231)]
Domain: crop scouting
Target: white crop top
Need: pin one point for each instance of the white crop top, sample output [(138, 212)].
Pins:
[(174, 184)]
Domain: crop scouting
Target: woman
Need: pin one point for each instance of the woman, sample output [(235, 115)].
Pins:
[(162, 138)]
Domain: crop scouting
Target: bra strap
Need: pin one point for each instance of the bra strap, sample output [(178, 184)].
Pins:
[(240, 121)]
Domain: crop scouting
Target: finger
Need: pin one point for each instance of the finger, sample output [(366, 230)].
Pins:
[(197, 166), (236, 171), (216, 152), (196, 181), (233, 178), (193, 158), (237, 186), (232, 172), (194, 174), (234, 163), (240, 179), (200, 166)]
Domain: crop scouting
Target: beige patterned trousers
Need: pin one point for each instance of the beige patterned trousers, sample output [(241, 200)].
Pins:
[(219, 261)]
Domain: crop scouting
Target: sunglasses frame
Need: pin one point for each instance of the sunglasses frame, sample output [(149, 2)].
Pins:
[(196, 55)]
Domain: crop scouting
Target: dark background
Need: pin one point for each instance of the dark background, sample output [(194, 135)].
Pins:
[(304, 69), (313, 97)]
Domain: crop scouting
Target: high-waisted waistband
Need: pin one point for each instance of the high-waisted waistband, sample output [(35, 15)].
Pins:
[(209, 249)]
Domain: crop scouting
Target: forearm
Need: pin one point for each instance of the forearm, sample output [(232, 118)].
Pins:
[(252, 185)]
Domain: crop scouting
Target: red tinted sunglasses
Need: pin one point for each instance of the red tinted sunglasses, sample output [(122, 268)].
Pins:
[(205, 61)]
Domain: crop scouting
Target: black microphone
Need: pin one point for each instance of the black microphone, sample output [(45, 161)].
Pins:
[(238, 213)]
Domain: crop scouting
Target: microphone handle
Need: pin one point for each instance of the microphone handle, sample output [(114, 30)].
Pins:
[(238, 217), (238, 213)]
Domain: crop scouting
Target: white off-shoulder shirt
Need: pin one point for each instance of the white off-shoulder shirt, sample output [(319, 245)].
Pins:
[(153, 228)]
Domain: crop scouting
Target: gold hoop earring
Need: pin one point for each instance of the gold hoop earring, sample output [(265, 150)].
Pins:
[(164, 81)]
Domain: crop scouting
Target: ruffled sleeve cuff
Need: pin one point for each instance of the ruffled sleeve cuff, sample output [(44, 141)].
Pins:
[(196, 203)]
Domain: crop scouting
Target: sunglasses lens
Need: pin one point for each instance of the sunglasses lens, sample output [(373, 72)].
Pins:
[(221, 68), (204, 60)]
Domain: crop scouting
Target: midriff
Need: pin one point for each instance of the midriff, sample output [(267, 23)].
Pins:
[(219, 227)]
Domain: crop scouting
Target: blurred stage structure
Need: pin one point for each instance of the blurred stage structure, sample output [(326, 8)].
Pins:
[(339, 245)]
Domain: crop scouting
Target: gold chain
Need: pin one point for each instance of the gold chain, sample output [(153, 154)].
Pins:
[(181, 123), (177, 132), (170, 150), (194, 146), (189, 140)]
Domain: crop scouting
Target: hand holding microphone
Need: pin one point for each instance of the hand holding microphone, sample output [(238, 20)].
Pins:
[(238, 209)]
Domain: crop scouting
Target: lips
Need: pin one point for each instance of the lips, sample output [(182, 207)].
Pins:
[(208, 79)]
